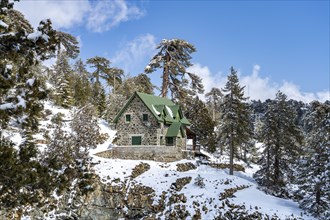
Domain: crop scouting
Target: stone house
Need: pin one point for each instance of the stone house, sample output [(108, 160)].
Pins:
[(150, 127)]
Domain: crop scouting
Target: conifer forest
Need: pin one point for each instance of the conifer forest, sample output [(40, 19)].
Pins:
[(288, 141)]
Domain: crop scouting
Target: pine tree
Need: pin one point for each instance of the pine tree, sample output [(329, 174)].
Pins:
[(282, 139), (112, 75), (314, 168), (203, 125), (234, 128), (139, 83), (82, 86), (24, 179), (64, 84), (173, 58), (115, 103), (68, 43), (86, 132), (213, 100)]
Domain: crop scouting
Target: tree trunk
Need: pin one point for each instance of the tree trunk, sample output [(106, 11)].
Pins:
[(231, 160), (166, 76)]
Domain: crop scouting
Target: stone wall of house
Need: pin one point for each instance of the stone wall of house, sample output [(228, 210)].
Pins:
[(149, 130), (157, 153), (152, 136)]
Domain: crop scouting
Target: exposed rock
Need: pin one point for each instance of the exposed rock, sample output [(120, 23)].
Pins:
[(183, 167), (229, 193), (180, 183), (139, 169), (237, 167)]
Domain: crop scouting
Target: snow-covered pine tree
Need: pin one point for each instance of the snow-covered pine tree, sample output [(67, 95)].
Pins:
[(62, 71), (234, 125), (85, 130), (21, 50), (68, 43), (282, 140), (173, 58), (314, 167)]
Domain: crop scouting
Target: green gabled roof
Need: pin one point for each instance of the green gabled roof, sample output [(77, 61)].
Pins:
[(158, 106), (155, 104), (173, 130), (174, 109), (184, 121)]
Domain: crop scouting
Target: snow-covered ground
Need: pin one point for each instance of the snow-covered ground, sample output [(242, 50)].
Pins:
[(160, 177)]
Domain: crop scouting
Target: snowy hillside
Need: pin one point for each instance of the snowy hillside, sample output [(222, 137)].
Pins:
[(209, 191), (160, 177)]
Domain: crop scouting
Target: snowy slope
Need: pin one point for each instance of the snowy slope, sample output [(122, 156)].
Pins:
[(160, 176)]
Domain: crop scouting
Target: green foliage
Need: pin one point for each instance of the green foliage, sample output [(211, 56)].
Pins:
[(282, 140), (115, 103), (213, 102), (112, 75), (67, 154), (82, 87), (62, 78), (313, 177), (69, 42), (139, 83), (235, 129), (23, 179), (99, 99), (202, 123)]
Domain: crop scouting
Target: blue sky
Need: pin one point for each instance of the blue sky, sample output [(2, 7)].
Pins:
[(274, 45)]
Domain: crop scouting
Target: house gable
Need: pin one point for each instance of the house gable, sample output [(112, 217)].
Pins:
[(163, 109)]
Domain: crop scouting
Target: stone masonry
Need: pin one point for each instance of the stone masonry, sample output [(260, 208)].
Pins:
[(152, 135)]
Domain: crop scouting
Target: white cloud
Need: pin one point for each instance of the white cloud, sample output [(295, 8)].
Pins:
[(135, 53), (63, 14), (80, 42), (293, 92), (97, 16), (209, 80), (257, 87), (108, 14)]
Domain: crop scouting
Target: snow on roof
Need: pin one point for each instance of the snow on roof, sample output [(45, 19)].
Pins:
[(169, 111), (155, 110)]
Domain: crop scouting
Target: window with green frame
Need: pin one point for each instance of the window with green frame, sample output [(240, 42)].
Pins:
[(136, 140), (145, 117), (169, 141), (127, 118)]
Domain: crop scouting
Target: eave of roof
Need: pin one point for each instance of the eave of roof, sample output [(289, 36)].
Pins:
[(173, 130)]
